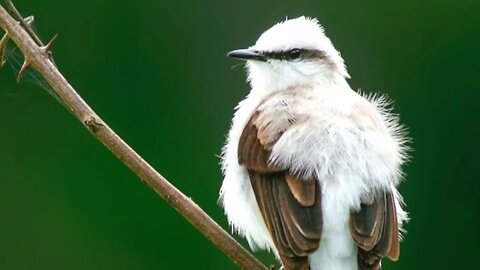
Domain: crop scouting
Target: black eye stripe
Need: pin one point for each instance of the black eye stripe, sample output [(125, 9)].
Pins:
[(295, 53)]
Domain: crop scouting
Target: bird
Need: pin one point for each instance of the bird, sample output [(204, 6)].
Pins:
[(311, 167)]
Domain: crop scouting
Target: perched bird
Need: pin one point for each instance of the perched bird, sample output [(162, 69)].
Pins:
[(311, 166)]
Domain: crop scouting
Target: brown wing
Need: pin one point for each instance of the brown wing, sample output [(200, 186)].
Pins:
[(290, 206), (375, 230)]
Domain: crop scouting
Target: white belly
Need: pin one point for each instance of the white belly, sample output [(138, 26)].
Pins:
[(337, 249)]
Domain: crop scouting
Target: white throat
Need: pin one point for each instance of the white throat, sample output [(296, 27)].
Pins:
[(267, 78)]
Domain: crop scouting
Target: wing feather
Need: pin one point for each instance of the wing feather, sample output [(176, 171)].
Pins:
[(375, 230), (290, 205)]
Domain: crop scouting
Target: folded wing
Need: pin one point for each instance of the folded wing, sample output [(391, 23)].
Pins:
[(290, 205), (375, 230)]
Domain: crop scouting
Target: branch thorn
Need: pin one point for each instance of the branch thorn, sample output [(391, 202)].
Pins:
[(50, 43), (3, 47), (29, 20), (45, 49), (24, 68)]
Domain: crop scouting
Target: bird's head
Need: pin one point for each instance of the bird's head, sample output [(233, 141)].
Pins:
[(292, 53)]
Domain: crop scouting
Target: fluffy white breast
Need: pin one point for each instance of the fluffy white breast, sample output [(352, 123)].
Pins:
[(336, 131)]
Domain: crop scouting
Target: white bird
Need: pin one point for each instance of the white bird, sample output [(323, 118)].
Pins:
[(311, 166)]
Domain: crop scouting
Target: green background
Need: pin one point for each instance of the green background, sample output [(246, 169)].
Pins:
[(156, 71)]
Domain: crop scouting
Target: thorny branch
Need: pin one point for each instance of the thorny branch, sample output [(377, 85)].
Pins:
[(38, 56)]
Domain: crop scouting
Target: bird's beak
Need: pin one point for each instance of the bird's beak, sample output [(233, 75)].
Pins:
[(247, 54)]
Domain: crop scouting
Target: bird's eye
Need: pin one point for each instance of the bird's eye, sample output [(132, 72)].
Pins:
[(294, 53)]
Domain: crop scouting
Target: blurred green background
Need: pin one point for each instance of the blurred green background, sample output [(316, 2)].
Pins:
[(156, 71)]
